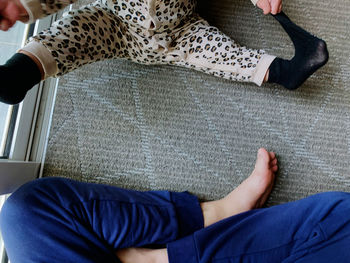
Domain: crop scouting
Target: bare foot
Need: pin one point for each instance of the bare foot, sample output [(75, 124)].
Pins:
[(142, 255), (251, 193)]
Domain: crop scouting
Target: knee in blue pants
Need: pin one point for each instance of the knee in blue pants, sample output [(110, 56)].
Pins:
[(87, 223), (35, 226), (23, 205), (31, 200)]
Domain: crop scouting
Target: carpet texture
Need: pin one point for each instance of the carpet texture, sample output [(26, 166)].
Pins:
[(165, 127)]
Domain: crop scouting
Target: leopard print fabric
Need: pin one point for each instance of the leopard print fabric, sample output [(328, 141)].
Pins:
[(147, 32), (52, 6)]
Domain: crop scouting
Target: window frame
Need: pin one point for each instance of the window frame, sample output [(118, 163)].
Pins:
[(27, 136), (29, 109)]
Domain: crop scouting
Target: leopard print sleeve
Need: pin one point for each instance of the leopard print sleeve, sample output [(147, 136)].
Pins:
[(52, 6), (40, 8)]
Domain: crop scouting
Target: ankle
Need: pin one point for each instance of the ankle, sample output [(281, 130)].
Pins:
[(142, 255), (13, 88), (209, 212), (154, 256), (310, 54), (161, 256), (214, 211), (266, 78), (36, 61)]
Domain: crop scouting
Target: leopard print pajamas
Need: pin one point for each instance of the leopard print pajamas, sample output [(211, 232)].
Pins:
[(144, 31)]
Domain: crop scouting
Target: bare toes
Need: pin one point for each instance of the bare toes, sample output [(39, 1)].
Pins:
[(273, 162), (263, 155), (264, 197), (272, 155), (274, 168)]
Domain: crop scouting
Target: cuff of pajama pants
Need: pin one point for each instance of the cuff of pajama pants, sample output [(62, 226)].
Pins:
[(189, 213), (33, 8), (182, 250), (47, 61), (263, 65)]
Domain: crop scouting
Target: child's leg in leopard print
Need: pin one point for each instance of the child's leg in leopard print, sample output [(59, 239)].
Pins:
[(83, 36), (13, 88), (90, 34), (205, 48)]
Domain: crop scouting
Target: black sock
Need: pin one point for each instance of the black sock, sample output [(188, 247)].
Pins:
[(18, 75), (310, 54)]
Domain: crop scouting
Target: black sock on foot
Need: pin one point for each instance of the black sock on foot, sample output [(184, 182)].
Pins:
[(310, 54), (18, 75)]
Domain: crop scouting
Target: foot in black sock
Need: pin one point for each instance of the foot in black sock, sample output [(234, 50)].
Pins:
[(18, 75), (310, 54)]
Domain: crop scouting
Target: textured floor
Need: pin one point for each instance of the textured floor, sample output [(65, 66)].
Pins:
[(164, 127)]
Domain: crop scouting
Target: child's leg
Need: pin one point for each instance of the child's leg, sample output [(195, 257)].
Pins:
[(310, 54), (18, 75), (89, 34), (205, 48)]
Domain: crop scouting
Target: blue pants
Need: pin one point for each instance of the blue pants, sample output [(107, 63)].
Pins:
[(58, 220)]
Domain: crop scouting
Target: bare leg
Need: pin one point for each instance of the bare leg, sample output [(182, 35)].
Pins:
[(143, 255), (250, 194), (266, 78)]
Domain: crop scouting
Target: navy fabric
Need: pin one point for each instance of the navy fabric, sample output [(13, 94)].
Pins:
[(18, 75), (310, 54), (58, 220), (315, 229)]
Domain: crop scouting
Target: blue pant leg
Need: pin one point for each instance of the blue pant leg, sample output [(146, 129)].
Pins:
[(330, 241), (58, 220), (285, 233), (336, 251)]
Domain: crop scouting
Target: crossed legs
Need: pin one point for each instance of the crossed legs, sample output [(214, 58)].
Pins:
[(89, 223), (59, 220)]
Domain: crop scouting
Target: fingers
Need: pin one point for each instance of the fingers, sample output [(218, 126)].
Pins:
[(276, 6), (3, 20), (3, 4), (9, 14), (4, 24), (265, 6), (270, 6)]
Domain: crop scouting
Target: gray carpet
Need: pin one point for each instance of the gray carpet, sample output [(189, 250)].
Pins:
[(164, 127)]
